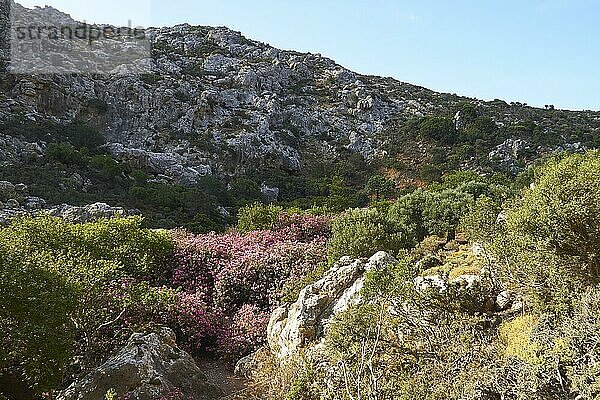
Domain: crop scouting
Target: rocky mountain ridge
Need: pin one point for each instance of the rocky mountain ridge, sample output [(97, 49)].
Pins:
[(217, 103)]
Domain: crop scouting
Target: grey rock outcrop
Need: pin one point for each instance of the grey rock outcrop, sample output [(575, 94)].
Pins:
[(306, 321), (17, 203), (148, 367), (270, 194), (508, 155), (89, 213)]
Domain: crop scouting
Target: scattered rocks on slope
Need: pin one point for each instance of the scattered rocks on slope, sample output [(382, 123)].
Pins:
[(148, 367), (17, 203)]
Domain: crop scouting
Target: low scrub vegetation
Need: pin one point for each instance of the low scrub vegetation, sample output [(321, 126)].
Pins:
[(71, 294), (406, 342)]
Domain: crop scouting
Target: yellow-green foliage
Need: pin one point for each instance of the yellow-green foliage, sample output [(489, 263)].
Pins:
[(292, 378), (515, 339), (52, 274), (464, 262), (458, 263), (472, 269), (548, 249), (429, 245), (110, 395), (445, 345), (258, 216), (480, 224)]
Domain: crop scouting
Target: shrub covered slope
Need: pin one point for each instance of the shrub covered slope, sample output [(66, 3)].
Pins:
[(71, 294)]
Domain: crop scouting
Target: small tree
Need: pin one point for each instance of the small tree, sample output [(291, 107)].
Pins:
[(363, 232), (439, 129), (380, 187), (442, 211)]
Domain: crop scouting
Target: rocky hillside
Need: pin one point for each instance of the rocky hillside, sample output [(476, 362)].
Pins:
[(218, 106), (219, 103)]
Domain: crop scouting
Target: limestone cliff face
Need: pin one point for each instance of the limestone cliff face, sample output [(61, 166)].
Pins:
[(219, 103)]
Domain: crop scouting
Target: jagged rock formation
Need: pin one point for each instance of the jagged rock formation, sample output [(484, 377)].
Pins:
[(305, 322), (148, 367), (219, 103)]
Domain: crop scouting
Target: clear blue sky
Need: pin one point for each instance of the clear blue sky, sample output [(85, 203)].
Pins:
[(533, 51)]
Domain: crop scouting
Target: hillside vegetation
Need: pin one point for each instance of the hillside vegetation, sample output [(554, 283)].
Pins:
[(72, 294)]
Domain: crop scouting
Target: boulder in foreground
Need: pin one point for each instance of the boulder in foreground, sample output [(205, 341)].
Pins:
[(148, 367)]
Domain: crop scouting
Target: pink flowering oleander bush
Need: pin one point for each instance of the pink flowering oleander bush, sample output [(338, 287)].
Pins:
[(199, 325), (229, 283), (246, 331)]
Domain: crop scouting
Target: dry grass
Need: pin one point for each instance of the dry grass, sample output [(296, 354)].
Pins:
[(274, 378)]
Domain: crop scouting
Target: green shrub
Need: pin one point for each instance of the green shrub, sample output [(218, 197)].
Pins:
[(430, 173), (438, 128), (258, 217), (515, 339), (416, 351), (424, 213), (480, 128), (64, 154), (363, 232), (106, 166), (442, 211), (481, 222), (544, 357), (137, 251), (380, 187), (37, 332), (549, 244), (77, 134), (52, 283), (245, 191), (176, 206), (407, 211)]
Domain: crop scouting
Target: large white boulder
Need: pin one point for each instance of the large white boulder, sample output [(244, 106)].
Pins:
[(306, 321)]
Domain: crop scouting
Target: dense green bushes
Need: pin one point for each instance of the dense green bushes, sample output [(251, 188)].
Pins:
[(380, 187), (77, 134), (440, 129), (549, 244), (405, 222), (172, 206), (53, 284), (77, 290)]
